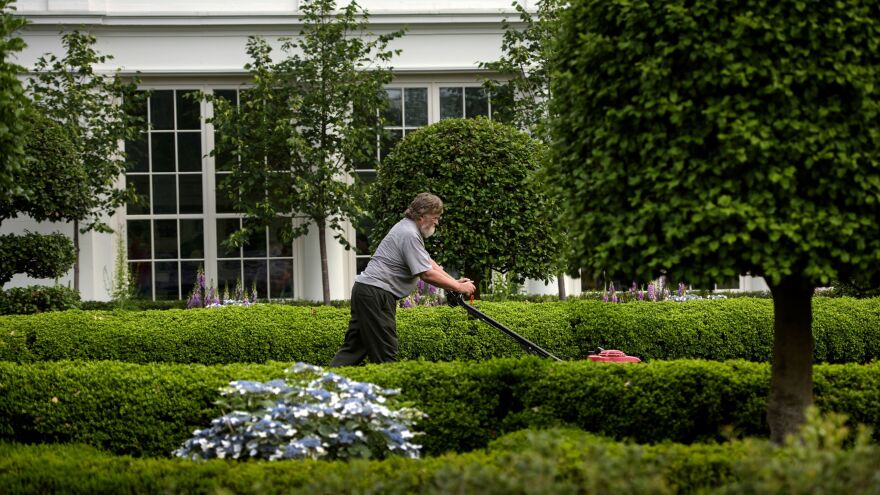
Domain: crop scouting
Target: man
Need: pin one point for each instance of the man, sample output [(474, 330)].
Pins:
[(392, 274)]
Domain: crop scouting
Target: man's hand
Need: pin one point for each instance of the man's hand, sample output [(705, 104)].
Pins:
[(466, 286)]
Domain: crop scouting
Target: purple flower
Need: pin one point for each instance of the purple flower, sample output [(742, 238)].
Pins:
[(680, 289), (431, 289), (641, 295), (212, 297), (406, 303), (615, 299), (201, 278), (195, 301), (652, 296), (605, 297), (420, 285)]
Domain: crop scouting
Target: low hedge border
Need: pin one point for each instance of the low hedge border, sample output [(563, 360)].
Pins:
[(553, 462), (536, 462), (845, 330), (149, 410)]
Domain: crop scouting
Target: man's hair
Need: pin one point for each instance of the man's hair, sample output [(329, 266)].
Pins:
[(424, 204)]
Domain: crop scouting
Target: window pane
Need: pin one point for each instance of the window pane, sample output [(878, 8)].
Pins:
[(389, 139), (393, 115), (256, 244), (501, 104), (476, 102), (229, 95), (138, 108), (228, 272), (139, 239), (143, 278), (163, 151), (164, 194), (136, 156), (278, 248), (450, 103), (224, 202), (188, 112), (192, 239), (188, 277), (225, 228), (362, 263), (167, 280), (141, 184), (162, 109), (281, 279), (416, 107), (166, 238), (362, 236), (223, 160), (190, 193), (189, 151), (255, 272)]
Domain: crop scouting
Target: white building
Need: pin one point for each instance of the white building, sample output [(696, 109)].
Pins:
[(179, 46)]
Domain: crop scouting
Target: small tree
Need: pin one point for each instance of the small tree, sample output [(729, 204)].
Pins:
[(307, 120), (708, 139), (97, 112), (496, 216), (13, 102), (53, 178)]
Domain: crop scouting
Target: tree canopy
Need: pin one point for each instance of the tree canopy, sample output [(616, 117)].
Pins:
[(496, 215), (709, 139), (13, 102)]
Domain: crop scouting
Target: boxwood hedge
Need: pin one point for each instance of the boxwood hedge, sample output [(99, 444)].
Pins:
[(536, 462), (151, 409), (552, 462), (845, 330)]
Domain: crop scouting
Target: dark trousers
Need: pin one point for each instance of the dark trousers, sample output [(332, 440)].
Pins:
[(372, 329)]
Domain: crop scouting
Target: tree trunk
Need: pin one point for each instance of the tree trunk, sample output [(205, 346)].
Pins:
[(76, 255), (791, 384), (560, 280), (325, 274)]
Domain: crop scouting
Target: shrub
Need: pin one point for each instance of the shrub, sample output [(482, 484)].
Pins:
[(313, 415), (37, 255), (845, 330), (497, 216), (529, 461), (37, 299), (152, 409)]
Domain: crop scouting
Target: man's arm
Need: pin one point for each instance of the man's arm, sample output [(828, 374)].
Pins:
[(438, 277)]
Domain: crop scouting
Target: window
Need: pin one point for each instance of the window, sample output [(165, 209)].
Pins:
[(166, 231), (264, 261), (179, 228)]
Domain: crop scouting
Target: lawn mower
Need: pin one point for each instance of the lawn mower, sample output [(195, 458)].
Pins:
[(603, 356)]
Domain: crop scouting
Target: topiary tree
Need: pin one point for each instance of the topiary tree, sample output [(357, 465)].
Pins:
[(54, 177), (709, 139), (496, 216), (56, 185)]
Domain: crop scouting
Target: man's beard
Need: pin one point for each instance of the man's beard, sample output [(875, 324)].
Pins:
[(427, 231)]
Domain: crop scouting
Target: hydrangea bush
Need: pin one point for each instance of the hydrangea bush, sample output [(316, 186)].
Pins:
[(311, 414)]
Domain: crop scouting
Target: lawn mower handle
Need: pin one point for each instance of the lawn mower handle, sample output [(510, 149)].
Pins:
[(456, 299)]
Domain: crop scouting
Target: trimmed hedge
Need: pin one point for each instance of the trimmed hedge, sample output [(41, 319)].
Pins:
[(37, 299), (151, 409), (536, 462), (846, 330), (552, 462)]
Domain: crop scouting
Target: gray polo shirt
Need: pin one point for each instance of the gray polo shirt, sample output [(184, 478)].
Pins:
[(398, 261)]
